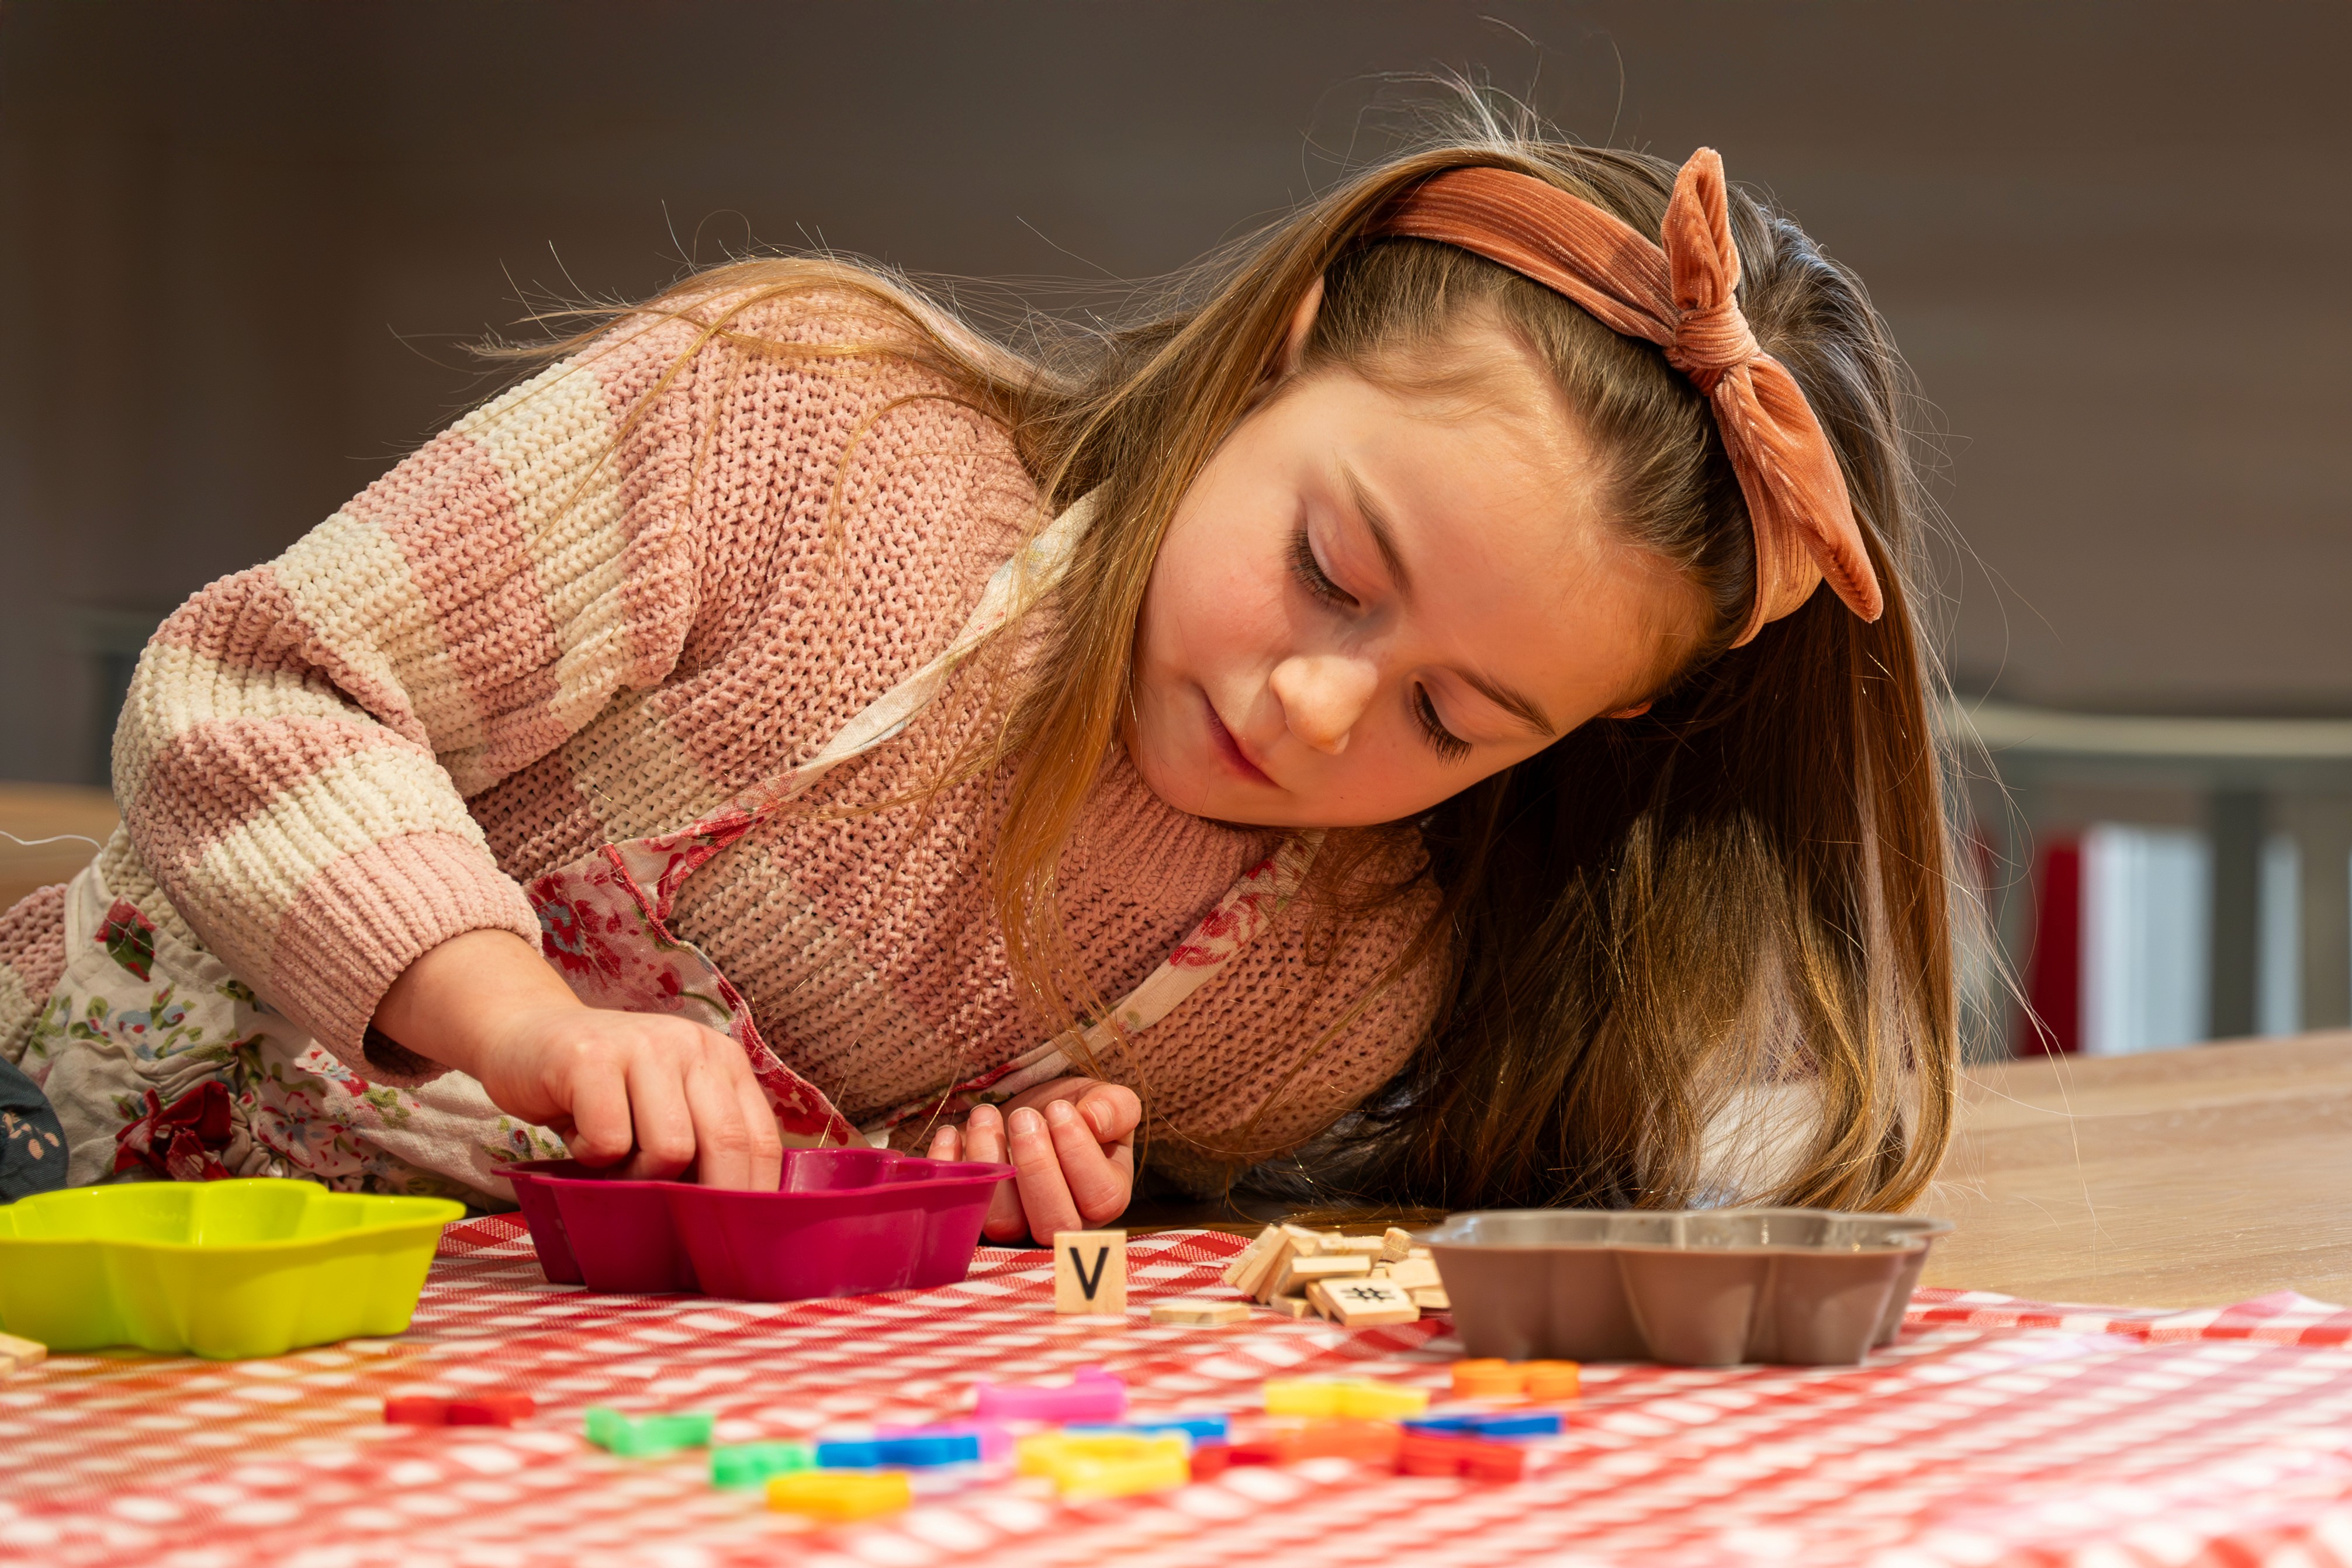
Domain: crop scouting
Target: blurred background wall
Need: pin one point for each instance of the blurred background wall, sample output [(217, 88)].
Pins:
[(243, 246)]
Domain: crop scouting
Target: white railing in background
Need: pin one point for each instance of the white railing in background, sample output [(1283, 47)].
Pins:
[(2270, 862), (2009, 728)]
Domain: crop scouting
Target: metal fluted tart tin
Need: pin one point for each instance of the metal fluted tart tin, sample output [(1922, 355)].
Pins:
[(1806, 1287)]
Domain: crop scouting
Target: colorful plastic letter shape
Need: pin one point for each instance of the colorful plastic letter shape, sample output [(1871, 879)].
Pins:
[(917, 1452), (489, 1409), (1342, 1438), (1491, 1424), (1213, 1427), (1356, 1398), (1429, 1454), (1086, 1465), (644, 1437), (752, 1464), (1091, 1394), (994, 1438), (836, 1496), (1083, 1480), (1490, 1379)]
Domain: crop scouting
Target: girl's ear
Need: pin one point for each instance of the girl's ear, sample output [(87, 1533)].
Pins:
[(1302, 322), (1636, 711)]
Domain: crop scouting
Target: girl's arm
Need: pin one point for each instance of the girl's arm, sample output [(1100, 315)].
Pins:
[(300, 742), (671, 1090)]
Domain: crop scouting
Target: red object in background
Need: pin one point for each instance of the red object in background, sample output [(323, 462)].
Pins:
[(2054, 975), (1428, 1454), (471, 1410), (490, 1410)]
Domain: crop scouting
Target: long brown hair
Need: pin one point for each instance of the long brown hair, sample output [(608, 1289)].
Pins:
[(1655, 927)]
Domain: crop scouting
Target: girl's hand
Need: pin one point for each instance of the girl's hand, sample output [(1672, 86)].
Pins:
[(646, 1091), (1071, 1143)]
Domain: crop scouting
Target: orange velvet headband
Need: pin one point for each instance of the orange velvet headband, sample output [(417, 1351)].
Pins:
[(1682, 296)]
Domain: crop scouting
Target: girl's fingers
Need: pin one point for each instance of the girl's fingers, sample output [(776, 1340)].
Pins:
[(1112, 1109), (983, 1139), (1093, 1180), (665, 1125), (722, 1141), (983, 1134), (600, 1132), (767, 1142), (945, 1145), (1038, 1170)]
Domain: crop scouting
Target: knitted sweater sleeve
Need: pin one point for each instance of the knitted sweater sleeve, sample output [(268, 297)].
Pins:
[(300, 739)]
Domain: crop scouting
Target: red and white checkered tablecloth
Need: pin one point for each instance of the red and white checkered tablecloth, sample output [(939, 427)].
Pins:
[(1997, 1431)]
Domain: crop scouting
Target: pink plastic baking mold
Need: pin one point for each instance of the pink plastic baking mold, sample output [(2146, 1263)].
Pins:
[(842, 1222)]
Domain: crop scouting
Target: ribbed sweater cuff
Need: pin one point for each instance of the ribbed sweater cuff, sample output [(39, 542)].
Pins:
[(359, 922)]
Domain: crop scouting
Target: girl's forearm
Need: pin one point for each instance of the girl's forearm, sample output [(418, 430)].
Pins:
[(450, 1003)]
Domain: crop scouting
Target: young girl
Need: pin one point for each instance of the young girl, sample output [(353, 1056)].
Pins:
[(1390, 710)]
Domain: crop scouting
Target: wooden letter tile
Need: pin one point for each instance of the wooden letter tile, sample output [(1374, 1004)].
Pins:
[(1292, 1277), (1090, 1271), (1199, 1313), (1253, 1262), (1362, 1302), (1414, 1273), (1303, 1241)]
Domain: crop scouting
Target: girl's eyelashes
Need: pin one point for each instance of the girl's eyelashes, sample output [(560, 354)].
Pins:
[(1448, 746), (1310, 573)]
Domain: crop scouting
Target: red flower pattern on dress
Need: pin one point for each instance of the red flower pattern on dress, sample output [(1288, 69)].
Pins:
[(128, 937), (180, 1140)]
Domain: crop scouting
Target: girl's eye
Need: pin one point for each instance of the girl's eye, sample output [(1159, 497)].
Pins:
[(1449, 745), (1311, 575)]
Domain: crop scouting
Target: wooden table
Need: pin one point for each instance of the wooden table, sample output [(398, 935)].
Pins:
[(42, 812), (2183, 1178), (2186, 1179)]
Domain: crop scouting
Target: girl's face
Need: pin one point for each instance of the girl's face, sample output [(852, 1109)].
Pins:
[(1371, 599)]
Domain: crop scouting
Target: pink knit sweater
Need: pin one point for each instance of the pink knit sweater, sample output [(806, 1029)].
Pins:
[(524, 642)]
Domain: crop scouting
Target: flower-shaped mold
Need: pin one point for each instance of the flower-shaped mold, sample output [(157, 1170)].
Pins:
[(1701, 1288), (223, 1269), (840, 1223)]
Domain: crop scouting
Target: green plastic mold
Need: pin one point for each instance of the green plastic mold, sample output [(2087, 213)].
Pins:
[(225, 1269)]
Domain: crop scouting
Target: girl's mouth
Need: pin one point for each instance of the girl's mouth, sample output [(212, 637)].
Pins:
[(1230, 750)]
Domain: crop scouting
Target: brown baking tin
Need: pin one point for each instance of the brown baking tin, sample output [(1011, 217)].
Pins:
[(1807, 1287)]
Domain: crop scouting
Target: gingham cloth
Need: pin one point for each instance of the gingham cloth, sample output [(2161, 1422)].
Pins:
[(1997, 1431)]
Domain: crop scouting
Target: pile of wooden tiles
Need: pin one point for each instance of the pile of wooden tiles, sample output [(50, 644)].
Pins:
[(1358, 1280)]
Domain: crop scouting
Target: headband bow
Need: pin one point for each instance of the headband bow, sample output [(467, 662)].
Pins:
[(1685, 298)]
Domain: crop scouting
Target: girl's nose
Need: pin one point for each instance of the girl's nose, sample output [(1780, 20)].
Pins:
[(1323, 695)]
